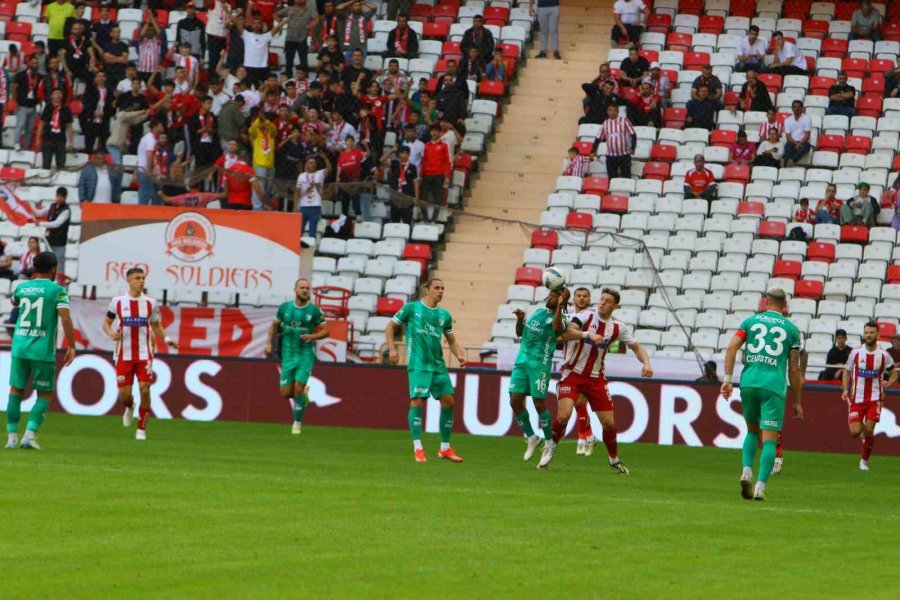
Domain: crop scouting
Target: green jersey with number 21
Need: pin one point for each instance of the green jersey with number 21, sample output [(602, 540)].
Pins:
[(35, 334), (768, 340)]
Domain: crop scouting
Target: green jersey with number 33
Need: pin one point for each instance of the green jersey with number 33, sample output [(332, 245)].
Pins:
[(768, 340), (35, 334)]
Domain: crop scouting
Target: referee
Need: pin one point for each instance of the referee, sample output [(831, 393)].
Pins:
[(620, 138)]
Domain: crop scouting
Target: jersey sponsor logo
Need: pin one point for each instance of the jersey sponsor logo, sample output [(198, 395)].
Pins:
[(190, 237), (565, 389), (421, 390), (869, 373), (428, 329), (135, 321), (771, 423)]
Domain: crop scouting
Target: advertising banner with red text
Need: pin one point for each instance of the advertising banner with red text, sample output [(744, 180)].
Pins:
[(647, 411), (190, 248)]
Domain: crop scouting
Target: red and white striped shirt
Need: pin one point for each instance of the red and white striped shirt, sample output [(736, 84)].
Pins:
[(867, 374), (584, 357), (148, 55), (576, 167), (134, 316), (617, 134), (765, 126)]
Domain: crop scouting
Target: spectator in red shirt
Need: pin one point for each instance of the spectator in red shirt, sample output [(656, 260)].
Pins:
[(742, 152), (803, 214), (265, 8), (700, 182), (828, 210), (436, 171), (645, 107), (351, 165)]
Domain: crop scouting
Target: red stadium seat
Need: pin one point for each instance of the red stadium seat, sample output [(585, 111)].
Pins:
[(787, 269), (830, 143), (451, 48), (886, 331), (496, 15), (675, 118), (818, 86), (8, 10), (690, 7), (18, 28), (897, 163), (873, 85), (771, 230), (463, 162), (422, 11), (545, 239), (679, 42), (820, 252), (855, 67), (722, 138), (663, 152), (491, 89), (844, 11), (880, 66), (890, 31), (445, 11), (76, 107), (750, 209), (657, 23), (858, 144), (893, 274), (584, 148), (388, 307), (834, 48), (854, 234), (773, 81), (579, 221), (731, 99), (743, 8), (652, 56), (614, 204), (657, 171), (817, 30), (436, 30), (12, 174), (808, 289), (711, 24), (528, 276), (595, 185), (418, 252), (694, 61), (737, 174), (869, 106), (796, 9)]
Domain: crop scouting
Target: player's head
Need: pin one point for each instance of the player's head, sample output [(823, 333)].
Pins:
[(870, 334), (135, 276), (582, 298), (433, 290), (553, 298), (776, 299), (301, 290), (45, 264), (609, 301)]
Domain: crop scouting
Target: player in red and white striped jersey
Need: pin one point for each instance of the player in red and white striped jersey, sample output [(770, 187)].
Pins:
[(583, 373), (137, 321), (864, 385), (581, 300)]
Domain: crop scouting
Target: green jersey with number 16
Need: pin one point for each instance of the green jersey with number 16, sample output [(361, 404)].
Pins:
[(769, 338), (538, 340), (35, 334)]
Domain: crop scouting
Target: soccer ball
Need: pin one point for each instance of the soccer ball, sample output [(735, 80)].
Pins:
[(553, 278)]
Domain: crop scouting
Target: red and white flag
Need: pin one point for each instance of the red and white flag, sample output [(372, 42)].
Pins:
[(16, 211)]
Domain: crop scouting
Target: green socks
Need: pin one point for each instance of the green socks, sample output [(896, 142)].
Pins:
[(751, 442), (414, 417), (767, 460), (446, 424), (36, 416), (547, 424), (300, 404), (13, 413), (525, 423)]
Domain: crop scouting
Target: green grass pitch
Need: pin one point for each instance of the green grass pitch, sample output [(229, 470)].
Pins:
[(234, 510)]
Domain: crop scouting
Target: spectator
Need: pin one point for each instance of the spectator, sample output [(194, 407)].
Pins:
[(239, 183), (435, 177), (841, 97), (330, 58), (415, 146), (865, 22), (120, 130), (575, 165), (803, 214), (496, 69), (231, 120), (548, 25), (308, 193), (892, 81), (604, 74), (754, 94), (55, 131), (452, 101), (402, 41), (480, 37), (660, 84), (12, 64), (216, 32), (599, 100), (770, 151), (101, 30), (145, 157), (356, 72), (398, 7), (114, 54), (26, 261), (352, 32), (860, 209), (174, 186), (891, 201), (336, 136), (95, 182), (402, 177), (234, 47), (634, 69), (797, 129), (191, 30), (828, 209), (700, 182), (78, 17), (56, 225), (893, 351), (7, 271), (712, 83), (646, 107), (25, 93), (751, 52), (187, 69), (289, 162), (299, 14), (470, 67), (628, 16), (771, 122), (701, 113), (263, 133), (204, 143), (837, 357), (150, 48), (256, 49), (96, 113), (79, 57), (327, 26), (450, 136), (709, 373), (56, 14), (620, 138), (742, 152), (786, 57)]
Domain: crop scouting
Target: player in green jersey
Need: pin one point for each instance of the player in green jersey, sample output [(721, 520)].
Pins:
[(426, 323), (534, 363), (41, 302), (772, 347), (302, 324)]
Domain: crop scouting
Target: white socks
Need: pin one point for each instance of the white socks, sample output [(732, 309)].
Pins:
[(445, 446), (29, 435), (747, 473), (417, 444)]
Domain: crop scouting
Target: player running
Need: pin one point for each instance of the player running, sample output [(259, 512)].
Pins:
[(425, 323), (41, 302), (302, 324), (865, 370), (583, 377), (581, 299), (138, 319), (772, 347), (534, 363)]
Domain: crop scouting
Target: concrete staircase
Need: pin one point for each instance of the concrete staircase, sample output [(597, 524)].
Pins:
[(526, 155)]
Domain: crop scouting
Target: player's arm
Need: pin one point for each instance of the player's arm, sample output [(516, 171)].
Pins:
[(573, 332), (795, 376), (321, 332), (455, 348), (69, 332), (159, 332), (892, 378), (641, 354), (845, 377), (273, 331), (730, 355), (520, 321), (111, 333), (559, 323), (389, 333)]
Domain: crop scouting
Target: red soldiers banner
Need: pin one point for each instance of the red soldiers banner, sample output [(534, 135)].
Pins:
[(190, 248), (207, 389)]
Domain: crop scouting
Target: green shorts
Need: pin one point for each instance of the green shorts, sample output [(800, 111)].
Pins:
[(763, 407), (529, 380), (296, 369), (41, 373), (423, 384)]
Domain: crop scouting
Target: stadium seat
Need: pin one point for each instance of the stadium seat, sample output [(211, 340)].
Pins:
[(855, 234), (544, 238), (579, 221), (808, 289), (595, 185), (772, 230), (893, 274), (821, 252), (737, 173), (658, 171), (614, 204), (528, 276)]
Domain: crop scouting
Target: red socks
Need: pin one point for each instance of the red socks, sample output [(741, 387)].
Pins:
[(559, 430), (583, 421), (868, 443), (778, 452), (143, 414), (611, 443)]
